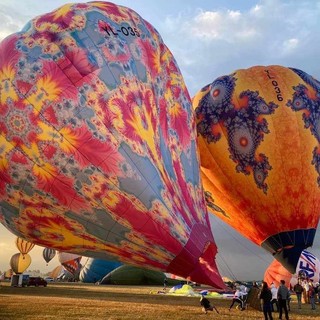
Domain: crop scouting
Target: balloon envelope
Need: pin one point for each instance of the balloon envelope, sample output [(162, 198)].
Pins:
[(308, 267), (70, 261), (48, 254), (94, 270), (130, 275), (20, 262), (24, 246), (258, 134), (98, 143)]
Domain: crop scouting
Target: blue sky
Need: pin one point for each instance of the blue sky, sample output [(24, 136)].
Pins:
[(208, 39)]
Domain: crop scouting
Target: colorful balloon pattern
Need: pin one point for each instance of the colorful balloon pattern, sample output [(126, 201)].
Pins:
[(71, 262), (308, 267), (98, 143), (259, 144)]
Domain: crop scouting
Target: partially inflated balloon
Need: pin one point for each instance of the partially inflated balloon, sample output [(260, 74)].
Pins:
[(20, 262), (48, 254), (94, 270), (308, 267), (70, 261), (98, 143), (24, 246), (259, 135)]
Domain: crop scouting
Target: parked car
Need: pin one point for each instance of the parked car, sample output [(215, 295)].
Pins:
[(49, 279), (37, 281)]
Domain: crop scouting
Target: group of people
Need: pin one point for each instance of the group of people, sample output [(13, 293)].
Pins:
[(274, 299), (239, 298), (278, 299), (307, 291)]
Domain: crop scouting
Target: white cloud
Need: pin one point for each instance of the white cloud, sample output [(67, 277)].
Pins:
[(215, 25), (8, 23), (290, 45), (210, 43)]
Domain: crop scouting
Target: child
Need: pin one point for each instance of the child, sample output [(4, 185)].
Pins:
[(205, 303)]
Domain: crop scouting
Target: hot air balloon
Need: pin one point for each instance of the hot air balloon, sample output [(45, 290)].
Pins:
[(131, 276), (98, 143), (48, 254), (94, 270), (24, 246), (258, 136), (70, 261), (20, 262), (308, 267)]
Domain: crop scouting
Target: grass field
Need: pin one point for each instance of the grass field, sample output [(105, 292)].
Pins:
[(63, 301)]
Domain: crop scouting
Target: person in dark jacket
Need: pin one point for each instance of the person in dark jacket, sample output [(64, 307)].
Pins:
[(265, 298), (206, 306), (283, 295), (298, 289)]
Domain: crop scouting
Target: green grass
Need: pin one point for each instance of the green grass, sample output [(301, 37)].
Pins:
[(63, 301)]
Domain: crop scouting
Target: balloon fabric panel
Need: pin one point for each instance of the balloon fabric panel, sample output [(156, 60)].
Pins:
[(98, 142), (258, 135)]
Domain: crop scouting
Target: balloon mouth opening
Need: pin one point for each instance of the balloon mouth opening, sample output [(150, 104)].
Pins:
[(196, 260), (287, 246)]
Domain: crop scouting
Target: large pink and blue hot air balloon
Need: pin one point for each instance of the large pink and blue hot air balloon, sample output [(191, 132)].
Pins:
[(98, 143)]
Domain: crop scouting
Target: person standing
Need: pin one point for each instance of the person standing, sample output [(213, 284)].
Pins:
[(283, 294), (305, 285), (274, 300), (312, 295), (298, 289), (265, 298)]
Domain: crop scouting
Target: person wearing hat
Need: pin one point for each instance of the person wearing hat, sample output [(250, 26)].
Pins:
[(206, 305)]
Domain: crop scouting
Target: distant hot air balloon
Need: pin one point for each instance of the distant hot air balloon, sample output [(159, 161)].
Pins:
[(70, 261), (259, 136), (98, 143), (24, 246), (20, 262), (48, 254), (308, 267)]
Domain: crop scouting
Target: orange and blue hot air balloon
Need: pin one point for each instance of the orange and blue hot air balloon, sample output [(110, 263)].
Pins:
[(259, 144), (98, 143)]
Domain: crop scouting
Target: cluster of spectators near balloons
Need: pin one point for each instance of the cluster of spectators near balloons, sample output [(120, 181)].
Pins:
[(275, 299)]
